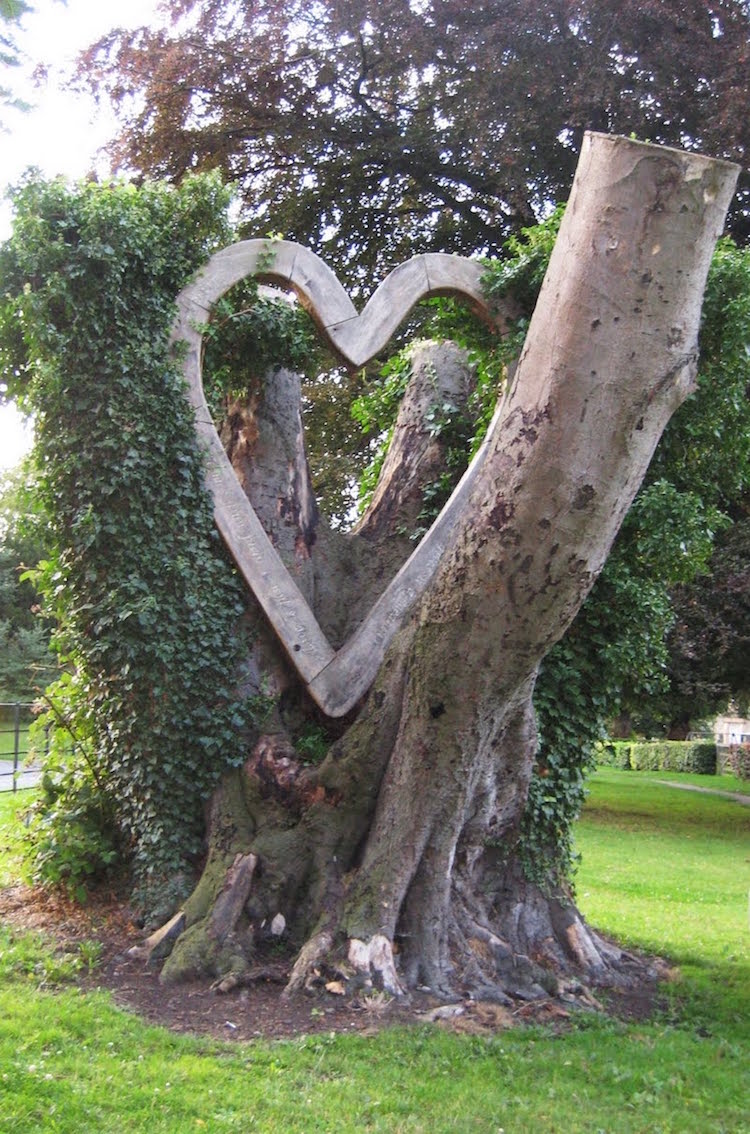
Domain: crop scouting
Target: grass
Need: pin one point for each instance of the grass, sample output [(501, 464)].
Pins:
[(678, 886), (725, 782), (11, 807), (662, 868), (8, 736)]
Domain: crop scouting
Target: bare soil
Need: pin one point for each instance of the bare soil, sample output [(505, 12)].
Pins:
[(259, 1010)]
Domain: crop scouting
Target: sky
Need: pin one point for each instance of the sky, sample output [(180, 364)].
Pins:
[(63, 131)]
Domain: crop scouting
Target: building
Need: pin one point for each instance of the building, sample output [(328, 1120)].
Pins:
[(730, 729)]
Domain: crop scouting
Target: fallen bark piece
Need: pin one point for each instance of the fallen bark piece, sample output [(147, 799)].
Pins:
[(231, 901), (304, 967), (248, 977)]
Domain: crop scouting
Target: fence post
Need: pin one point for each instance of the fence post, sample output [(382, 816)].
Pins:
[(16, 743)]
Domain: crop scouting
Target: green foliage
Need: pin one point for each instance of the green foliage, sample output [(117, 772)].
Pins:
[(520, 272), (376, 410), (660, 756), (460, 429), (145, 716), (247, 335), (26, 663), (705, 449), (739, 761), (613, 754), (73, 834), (312, 744), (72, 830), (675, 756)]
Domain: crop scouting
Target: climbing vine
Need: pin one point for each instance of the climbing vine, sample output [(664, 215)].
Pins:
[(146, 714)]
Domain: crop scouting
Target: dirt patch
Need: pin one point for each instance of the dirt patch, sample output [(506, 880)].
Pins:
[(260, 1011)]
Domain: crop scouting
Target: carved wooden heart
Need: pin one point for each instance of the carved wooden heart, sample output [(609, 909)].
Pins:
[(335, 679)]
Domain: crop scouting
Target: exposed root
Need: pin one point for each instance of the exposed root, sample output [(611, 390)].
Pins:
[(247, 978), (374, 961), (310, 956)]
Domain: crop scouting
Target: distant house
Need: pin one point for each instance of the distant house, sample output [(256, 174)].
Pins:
[(730, 730)]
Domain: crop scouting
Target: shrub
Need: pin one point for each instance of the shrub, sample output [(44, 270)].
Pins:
[(739, 761), (673, 756), (615, 754)]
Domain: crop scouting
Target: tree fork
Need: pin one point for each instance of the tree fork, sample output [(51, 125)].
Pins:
[(411, 843)]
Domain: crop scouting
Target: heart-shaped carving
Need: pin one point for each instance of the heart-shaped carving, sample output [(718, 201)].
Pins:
[(335, 679)]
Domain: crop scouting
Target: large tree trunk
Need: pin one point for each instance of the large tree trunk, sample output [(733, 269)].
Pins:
[(394, 857)]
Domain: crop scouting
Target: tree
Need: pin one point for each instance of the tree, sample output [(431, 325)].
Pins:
[(709, 641), (397, 822), (370, 131), (407, 830)]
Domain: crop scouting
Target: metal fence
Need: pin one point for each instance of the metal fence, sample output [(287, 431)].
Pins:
[(17, 766)]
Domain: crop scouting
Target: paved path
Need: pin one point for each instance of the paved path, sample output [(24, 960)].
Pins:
[(26, 777), (737, 796)]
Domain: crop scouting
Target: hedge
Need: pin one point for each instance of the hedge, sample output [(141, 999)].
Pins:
[(661, 756)]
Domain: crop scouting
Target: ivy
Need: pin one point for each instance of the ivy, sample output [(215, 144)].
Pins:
[(375, 411), (616, 650), (248, 334), (146, 715)]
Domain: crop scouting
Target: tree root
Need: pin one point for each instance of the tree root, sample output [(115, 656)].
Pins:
[(374, 961), (312, 954), (247, 977)]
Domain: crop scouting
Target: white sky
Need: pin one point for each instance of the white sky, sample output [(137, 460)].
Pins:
[(63, 131)]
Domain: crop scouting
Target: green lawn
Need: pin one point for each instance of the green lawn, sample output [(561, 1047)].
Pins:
[(8, 741), (662, 868)]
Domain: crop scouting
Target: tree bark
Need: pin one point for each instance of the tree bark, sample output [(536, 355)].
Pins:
[(394, 858)]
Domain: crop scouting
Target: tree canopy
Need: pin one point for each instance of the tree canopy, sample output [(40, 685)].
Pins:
[(371, 129)]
